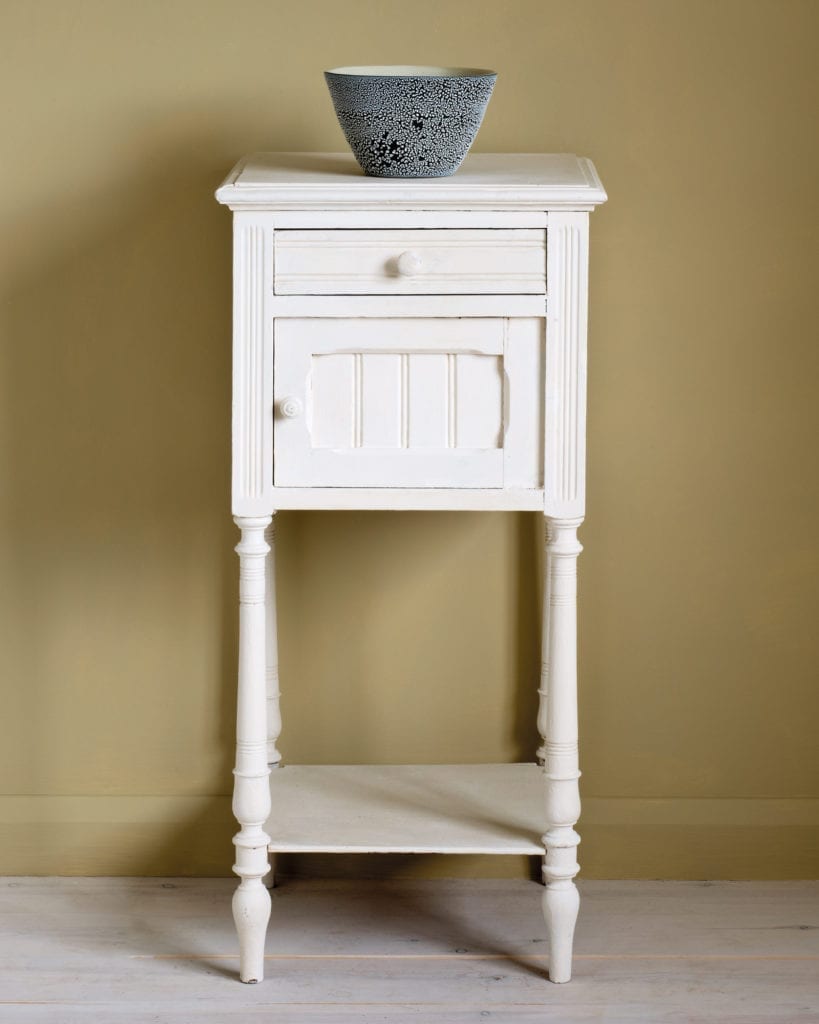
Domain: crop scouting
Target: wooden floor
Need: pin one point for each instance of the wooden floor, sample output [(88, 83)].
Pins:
[(153, 950)]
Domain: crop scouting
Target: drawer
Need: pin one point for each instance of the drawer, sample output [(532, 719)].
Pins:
[(408, 402), (411, 262)]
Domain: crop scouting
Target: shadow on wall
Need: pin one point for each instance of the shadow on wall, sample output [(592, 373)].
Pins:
[(122, 574)]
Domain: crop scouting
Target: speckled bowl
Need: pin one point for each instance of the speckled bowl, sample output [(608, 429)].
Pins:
[(405, 121)]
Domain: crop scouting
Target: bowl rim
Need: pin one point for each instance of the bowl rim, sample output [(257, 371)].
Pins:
[(409, 71)]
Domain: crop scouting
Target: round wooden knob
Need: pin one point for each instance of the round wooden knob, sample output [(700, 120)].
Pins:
[(290, 407), (410, 263)]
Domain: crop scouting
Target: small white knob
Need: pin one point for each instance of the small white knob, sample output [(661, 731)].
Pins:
[(410, 263), (290, 407)]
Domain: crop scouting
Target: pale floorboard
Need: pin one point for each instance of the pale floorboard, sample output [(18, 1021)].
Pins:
[(153, 950)]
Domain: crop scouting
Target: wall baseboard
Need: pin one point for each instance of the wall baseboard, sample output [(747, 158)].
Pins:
[(623, 837), (739, 812)]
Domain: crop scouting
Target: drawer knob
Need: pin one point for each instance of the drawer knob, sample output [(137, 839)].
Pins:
[(410, 263), (291, 407)]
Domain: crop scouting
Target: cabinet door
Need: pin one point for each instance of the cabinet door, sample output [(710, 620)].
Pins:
[(413, 402)]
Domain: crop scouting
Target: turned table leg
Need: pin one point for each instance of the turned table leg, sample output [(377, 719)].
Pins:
[(274, 716), (251, 792), (561, 900), (543, 689)]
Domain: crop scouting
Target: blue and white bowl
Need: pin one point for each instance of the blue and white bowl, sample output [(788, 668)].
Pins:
[(404, 121)]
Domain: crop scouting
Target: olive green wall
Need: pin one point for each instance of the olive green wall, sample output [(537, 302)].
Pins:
[(409, 636)]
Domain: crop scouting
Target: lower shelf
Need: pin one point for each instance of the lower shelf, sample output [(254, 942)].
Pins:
[(475, 808)]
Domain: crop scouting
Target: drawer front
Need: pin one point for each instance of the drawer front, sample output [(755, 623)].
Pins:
[(428, 262), (408, 402)]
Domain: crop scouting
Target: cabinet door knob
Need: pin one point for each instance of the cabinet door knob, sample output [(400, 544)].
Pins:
[(410, 263), (291, 407)]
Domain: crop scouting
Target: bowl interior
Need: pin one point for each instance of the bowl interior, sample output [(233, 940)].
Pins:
[(410, 71)]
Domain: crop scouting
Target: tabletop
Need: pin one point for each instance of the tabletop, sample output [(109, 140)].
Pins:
[(502, 181)]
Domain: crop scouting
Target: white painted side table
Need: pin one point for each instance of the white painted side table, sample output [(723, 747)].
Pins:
[(408, 344)]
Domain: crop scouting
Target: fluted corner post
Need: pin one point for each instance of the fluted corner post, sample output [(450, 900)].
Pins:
[(561, 900), (251, 791)]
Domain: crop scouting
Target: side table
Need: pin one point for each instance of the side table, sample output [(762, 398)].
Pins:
[(408, 344)]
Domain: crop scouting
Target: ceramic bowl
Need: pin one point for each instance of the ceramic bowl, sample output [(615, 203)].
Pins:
[(406, 121)]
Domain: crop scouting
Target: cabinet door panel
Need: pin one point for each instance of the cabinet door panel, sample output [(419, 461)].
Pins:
[(412, 402), (478, 402), (428, 399), (379, 407), (333, 387)]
